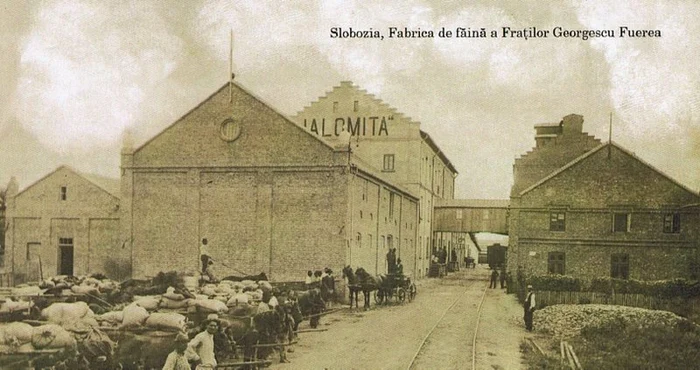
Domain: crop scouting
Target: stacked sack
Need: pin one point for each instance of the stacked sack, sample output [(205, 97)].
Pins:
[(26, 290), (18, 337), (10, 306), (70, 314), (134, 316), (79, 285)]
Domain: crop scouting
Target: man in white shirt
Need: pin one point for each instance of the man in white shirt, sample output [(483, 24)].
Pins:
[(529, 307), (201, 348)]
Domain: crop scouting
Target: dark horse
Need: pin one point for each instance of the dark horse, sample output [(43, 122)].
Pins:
[(360, 281)]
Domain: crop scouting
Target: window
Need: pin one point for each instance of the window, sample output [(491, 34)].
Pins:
[(620, 266), (335, 106), (621, 222), (556, 263), (359, 240), (672, 223), (64, 192), (391, 205), (557, 221), (356, 106), (459, 214), (389, 162)]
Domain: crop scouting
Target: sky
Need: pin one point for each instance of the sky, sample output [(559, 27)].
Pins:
[(76, 75)]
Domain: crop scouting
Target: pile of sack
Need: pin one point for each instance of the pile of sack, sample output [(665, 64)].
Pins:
[(70, 315), (18, 337), (79, 285), (10, 306), (134, 316), (235, 293), (172, 300)]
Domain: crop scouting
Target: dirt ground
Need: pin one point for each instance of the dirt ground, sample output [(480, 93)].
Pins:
[(388, 337)]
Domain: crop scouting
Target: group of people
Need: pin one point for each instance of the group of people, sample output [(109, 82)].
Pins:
[(496, 277), (394, 265), (200, 350), (314, 278)]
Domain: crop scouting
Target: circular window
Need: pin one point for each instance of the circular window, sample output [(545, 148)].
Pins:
[(230, 129)]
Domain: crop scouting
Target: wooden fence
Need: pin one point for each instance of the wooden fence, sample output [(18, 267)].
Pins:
[(548, 298)]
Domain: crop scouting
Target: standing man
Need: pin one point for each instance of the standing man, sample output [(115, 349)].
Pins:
[(494, 278), (176, 359), (201, 348), (391, 260), (204, 255), (529, 307), (502, 277)]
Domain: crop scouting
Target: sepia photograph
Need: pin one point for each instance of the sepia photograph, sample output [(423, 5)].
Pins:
[(218, 184)]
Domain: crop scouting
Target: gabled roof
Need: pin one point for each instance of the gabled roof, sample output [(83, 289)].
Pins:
[(595, 150), (245, 90), (437, 150), (364, 92), (472, 203), (109, 185)]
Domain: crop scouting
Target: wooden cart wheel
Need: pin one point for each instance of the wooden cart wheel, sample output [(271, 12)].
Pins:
[(401, 294), (379, 296)]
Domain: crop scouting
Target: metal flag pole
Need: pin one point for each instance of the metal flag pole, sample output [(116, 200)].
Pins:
[(230, 69), (610, 136)]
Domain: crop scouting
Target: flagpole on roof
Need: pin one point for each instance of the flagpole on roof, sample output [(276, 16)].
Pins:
[(610, 136), (230, 69)]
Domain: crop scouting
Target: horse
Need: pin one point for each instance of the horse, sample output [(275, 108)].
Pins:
[(362, 281)]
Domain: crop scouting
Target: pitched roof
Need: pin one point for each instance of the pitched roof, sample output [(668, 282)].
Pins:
[(107, 184), (595, 150), (437, 150), (472, 203), (246, 91)]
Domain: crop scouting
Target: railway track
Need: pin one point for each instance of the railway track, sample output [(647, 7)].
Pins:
[(434, 330)]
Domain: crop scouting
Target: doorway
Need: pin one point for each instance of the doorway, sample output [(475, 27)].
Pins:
[(65, 258)]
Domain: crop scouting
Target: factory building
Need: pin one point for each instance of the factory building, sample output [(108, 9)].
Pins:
[(268, 195), (392, 144), (589, 209)]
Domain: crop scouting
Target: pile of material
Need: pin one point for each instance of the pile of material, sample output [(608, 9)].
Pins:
[(18, 337), (566, 321), (10, 306), (136, 317)]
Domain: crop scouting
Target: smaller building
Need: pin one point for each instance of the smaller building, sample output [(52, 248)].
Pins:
[(66, 223), (606, 213)]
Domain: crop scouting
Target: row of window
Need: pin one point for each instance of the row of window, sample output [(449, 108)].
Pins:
[(619, 264), (620, 222)]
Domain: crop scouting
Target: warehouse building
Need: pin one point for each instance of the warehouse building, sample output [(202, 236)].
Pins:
[(268, 195), (391, 143), (589, 209), (66, 223)]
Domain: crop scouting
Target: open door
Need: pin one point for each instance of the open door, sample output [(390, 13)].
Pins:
[(65, 257)]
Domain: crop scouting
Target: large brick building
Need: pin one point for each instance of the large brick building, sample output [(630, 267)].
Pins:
[(268, 195), (65, 223), (392, 143), (582, 208)]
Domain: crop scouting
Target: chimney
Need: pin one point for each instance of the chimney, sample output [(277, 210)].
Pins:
[(572, 125)]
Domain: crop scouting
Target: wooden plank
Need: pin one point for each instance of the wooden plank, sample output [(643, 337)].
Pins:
[(573, 356), (568, 356), (309, 330)]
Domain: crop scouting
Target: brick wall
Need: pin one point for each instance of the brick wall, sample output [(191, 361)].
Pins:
[(589, 192), (89, 216)]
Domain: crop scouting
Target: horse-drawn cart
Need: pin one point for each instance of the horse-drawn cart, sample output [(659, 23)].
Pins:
[(395, 285)]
